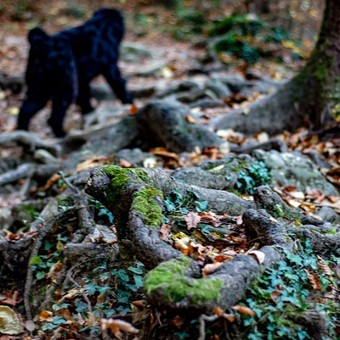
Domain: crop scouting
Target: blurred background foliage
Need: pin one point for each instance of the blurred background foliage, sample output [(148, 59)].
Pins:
[(246, 30)]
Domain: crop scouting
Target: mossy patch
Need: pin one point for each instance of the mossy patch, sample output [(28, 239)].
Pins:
[(144, 202), (169, 277), (120, 177)]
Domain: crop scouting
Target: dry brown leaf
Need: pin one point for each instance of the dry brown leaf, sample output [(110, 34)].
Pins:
[(11, 299), (293, 203), (190, 119), (258, 255), (45, 316), (325, 268), (208, 216), (231, 318), (164, 153), (124, 164), (139, 303), (117, 326), (275, 294), (192, 219), (92, 163), (239, 220), (244, 310), (314, 280), (218, 311), (164, 232), (297, 195), (332, 199), (54, 270), (182, 246), (55, 178), (211, 268)]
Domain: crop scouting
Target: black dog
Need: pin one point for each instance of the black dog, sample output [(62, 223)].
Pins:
[(60, 67)]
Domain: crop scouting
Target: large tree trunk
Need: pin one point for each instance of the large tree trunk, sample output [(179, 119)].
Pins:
[(309, 98)]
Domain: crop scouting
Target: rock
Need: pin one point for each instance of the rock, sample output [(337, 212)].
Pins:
[(295, 169), (329, 215), (164, 123), (218, 88), (131, 52), (207, 103), (183, 86)]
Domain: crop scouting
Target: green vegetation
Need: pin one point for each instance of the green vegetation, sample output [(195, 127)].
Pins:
[(110, 292), (144, 202), (283, 296), (245, 36), (120, 178), (252, 177), (169, 277)]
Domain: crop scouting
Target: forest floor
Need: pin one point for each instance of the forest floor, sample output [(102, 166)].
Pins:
[(111, 302)]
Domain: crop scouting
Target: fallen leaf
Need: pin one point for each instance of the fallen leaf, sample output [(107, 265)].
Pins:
[(92, 163), (124, 164), (192, 219), (258, 255), (164, 232), (231, 318), (325, 268), (244, 310), (190, 119), (297, 195), (55, 178), (10, 299), (182, 246), (211, 268), (314, 280), (220, 313), (9, 321), (117, 326), (164, 153), (150, 162), (45, 316), (294, 203), (275, 294), (54, 270)]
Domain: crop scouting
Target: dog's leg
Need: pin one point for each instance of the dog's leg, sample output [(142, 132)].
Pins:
[(118, 84), (29, 108)]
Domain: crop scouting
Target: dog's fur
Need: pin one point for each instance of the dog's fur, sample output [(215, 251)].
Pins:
[(60, 67)]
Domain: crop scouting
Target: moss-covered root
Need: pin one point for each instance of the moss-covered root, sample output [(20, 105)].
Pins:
[(120, 178), (145, 203), (169, 286), (146, 200)]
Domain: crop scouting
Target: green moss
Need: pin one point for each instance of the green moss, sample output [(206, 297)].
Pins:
[(29, 210), (278, 210), (120, 177), (145, 203), (169, 277)]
